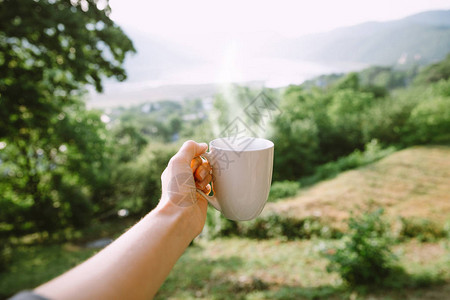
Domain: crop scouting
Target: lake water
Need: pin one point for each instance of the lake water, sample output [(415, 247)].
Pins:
[(172, 82)]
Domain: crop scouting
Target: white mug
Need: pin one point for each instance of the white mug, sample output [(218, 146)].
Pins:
[(242, 174)]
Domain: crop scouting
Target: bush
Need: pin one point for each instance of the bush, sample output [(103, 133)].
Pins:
[(307, 228), (269, 226), (372, 152), (283, 189), (5, 255), (261, 228), (219, 226), (365, 258), (422, 229), (137, 183)]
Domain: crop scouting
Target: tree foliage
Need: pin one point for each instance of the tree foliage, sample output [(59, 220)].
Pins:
[(322, 124), (53, 150), (435, 72)]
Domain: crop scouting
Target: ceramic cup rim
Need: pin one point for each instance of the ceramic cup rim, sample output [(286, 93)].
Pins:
[(268, 145)]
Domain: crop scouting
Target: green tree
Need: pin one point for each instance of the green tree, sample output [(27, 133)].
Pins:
[(52, 148), (347, 115), (296, 135), (351, 81), (435, 72), (429, 121), (128, 142), (318, 126), (137, 183)]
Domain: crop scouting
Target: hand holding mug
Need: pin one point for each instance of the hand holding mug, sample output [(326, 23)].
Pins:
[(241, 176)]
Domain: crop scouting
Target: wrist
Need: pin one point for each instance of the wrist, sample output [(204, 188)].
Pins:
[(185, 221)]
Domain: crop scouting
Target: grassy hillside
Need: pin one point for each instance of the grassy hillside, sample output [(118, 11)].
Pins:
[(235, 268), (270, 269), (411, 183)]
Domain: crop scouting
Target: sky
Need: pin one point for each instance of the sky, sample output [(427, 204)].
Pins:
[(290, 18)]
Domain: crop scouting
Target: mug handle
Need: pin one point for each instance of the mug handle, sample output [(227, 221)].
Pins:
[(211, 199)]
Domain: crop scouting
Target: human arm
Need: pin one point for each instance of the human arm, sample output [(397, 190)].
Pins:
[(137, 263)]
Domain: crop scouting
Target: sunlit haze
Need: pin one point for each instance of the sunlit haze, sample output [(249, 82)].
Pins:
[(290, 18), (202, 42)]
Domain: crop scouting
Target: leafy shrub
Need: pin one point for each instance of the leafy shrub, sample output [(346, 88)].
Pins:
[(219, 226), (137, 183), (292, 228), (283, 189), (422, 229), (373, 151), (261, 228), (365, 257), (429, 122), (447, 229), (269, 226), (80, 208), (307, 228), (5, 255)]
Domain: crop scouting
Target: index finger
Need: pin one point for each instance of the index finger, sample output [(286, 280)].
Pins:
[(189, 150)]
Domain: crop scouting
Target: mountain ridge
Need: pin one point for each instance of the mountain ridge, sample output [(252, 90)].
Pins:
[(418, 39), (424, 37)]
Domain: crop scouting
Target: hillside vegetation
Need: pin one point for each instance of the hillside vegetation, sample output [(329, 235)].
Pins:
[(410, 183), (71, 175)]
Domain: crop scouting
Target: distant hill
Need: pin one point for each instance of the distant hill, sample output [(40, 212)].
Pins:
[(419, 39), (155, 54), (411, 183), (422, 38)]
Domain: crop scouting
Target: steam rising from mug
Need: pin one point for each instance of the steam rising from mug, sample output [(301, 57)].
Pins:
[(242, 174)]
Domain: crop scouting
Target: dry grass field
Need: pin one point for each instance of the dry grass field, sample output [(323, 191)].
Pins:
[(414, 182)]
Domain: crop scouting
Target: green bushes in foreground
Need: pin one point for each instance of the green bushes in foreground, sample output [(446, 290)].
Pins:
[(283, 189), (5, 254), (290, 228), (422, 229), (269, 226), (365, 258)]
